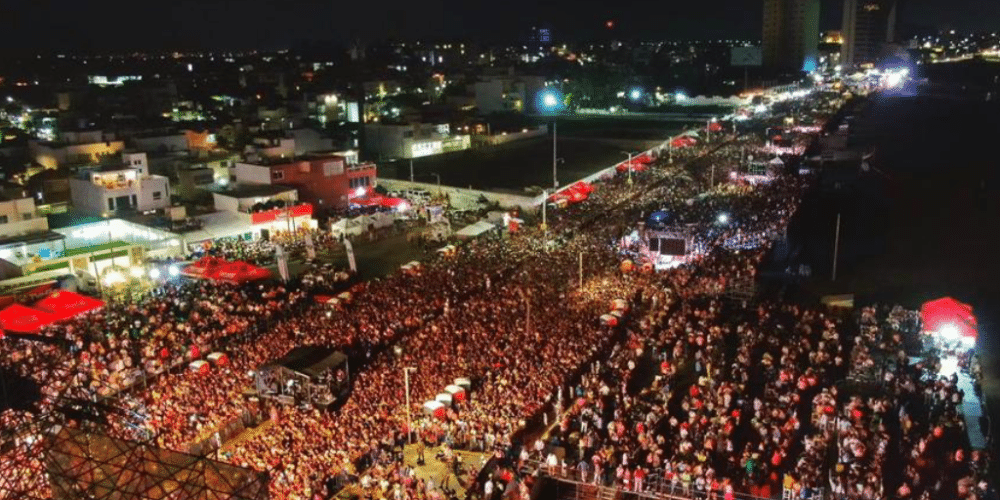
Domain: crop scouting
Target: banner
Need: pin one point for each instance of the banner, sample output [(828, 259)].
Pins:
[(279, 255), (310, 248), (350, 255)]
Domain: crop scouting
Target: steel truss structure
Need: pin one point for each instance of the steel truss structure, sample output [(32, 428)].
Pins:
[(51, 460)]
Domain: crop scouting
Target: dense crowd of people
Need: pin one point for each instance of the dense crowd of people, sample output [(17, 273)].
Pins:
[(691, 393)]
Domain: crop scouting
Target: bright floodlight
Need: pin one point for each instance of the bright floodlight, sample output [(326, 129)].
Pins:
[(135, 271), (723, 218), (949, 332), (636, 94), (680, 96), (10, 99), (154, 274), (360, 191), (174, 270), (894, 79), (549, 100)]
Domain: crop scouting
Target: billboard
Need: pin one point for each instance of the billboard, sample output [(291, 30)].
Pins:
[(745, 56)]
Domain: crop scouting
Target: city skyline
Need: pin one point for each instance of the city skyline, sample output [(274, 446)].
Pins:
[(60, 25)]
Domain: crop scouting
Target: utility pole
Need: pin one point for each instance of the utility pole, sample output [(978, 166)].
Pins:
[(836, 248), (711, 179), (409, 423), (555, 177), (411, 169), (581, 269), (545, 201)]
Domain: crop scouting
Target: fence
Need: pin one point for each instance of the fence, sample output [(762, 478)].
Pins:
[(654, 486)]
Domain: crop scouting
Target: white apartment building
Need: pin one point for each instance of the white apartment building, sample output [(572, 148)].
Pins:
[(18, 217), (123, 188), (392, 141)]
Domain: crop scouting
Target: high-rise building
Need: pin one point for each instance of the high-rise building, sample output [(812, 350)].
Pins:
[(869, 26), (790, 34)]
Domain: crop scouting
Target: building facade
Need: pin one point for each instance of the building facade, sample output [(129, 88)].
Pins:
[(120, 189), (18, 217), (791, 34), (507, 93), (413, 140), (869, 26), (325, 180)]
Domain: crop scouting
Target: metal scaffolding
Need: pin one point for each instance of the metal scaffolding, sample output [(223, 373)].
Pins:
[(50, 459)]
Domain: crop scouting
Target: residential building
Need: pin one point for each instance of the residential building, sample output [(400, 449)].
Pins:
[(412, 140), (869, 26), (323, 179), (507, 92), (791, 34), (117, 189), (75, 147), (18, 216), (160, 143), (242, 198)]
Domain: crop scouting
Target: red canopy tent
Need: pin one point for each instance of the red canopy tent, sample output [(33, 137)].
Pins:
[(582, 187), (23, 319), (643, 159), (373, 200), (64, 304), (636, 167), (949, 318), (203, 268), (239, 272), (715, 127), (388, 202), (683, 142)]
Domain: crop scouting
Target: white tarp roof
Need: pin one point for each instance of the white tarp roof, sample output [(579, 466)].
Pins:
[(219, 225), (473, 230)]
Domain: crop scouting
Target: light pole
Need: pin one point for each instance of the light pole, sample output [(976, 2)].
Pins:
[(555, 160), (406, 382), (439, 182), (550, 101), (411, 169), (545, 201), (629, 153)]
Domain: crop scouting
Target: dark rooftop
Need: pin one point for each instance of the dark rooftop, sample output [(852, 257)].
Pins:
[(252, 190)]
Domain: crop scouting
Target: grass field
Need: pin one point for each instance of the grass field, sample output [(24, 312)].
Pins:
[(520, 164)]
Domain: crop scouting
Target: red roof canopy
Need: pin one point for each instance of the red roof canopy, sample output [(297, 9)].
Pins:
[(64, 304), (23, 319), (239, 272), (582, 187), (945, 312), (203, 268)]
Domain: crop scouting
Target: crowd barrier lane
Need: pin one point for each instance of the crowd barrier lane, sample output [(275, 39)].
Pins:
[(655, 487)]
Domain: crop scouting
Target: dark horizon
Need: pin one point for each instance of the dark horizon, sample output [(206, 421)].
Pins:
[(209, 25)]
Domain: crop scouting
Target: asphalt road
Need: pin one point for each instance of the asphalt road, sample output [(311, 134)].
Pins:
[(924, 222)]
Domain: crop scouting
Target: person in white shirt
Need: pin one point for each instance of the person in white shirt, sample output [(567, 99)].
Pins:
[(488, 489)]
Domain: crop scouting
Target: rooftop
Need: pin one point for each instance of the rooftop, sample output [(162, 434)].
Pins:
[(319, 155), (253, 190)]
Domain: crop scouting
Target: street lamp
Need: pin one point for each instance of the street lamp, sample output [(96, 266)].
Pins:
[(629, 153), (406, 382), (635, 94), (550, 102), (438, 180)]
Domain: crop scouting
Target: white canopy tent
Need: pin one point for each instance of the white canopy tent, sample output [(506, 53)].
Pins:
[(475, 230)]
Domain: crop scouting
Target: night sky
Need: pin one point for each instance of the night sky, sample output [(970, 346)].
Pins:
[(118, 25)]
